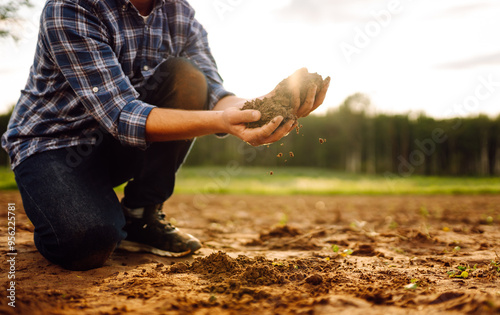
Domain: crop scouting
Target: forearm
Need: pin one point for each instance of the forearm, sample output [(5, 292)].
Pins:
[(171, 124)]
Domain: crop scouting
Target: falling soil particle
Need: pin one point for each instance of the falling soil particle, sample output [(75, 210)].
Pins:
[(281, 103)]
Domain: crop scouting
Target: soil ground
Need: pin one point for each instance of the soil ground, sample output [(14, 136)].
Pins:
[(284, 255)]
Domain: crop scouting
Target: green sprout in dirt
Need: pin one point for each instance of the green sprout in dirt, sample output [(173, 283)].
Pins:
[(283, 219), (344, 253), (424, 212), (357, 226), (413, 285), (496, 265), (393, 225), (462, 273)]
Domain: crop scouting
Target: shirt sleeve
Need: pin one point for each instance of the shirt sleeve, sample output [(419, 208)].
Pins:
[(79, 46), (198, 50)]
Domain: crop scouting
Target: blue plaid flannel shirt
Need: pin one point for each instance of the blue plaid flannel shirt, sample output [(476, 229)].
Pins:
[(91, 58)]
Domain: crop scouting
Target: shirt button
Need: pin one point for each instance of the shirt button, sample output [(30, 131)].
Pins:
[(124, 8), (145, 68), (147, 27), (95, 89)]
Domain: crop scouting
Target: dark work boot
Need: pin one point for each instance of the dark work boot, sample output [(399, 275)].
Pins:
[(147, 232)]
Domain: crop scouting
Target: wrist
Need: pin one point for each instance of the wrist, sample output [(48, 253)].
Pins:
[(220, 124)]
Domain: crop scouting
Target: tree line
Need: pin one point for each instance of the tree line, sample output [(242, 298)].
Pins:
[(350, 138)]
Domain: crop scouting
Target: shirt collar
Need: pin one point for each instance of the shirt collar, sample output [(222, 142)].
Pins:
[(158, 4)]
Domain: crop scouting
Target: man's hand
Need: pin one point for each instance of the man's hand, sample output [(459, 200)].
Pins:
[(313, 99), (235, 121)]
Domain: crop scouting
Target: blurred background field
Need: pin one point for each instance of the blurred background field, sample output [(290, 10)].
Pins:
[(298, 180), (302, 180)]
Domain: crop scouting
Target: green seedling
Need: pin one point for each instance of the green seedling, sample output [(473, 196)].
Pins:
[(346, 252), (393, 225), (463, 273), (424, 212), (398, 250), (284, 219), (453, 274), (411, 286), (496, 265), (357, 226)]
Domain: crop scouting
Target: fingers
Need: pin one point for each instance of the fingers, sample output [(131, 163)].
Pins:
[(266, 133), (280, 132), (276, 134), (313, 99), (260, 135), (296, 99), (270, 127), (306, 108), (322, 94), (244, 116)]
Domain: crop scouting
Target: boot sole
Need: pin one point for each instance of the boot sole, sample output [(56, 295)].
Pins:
[(135, 247)]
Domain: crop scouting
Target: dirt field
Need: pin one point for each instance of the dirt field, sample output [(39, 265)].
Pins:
[(285, 255)]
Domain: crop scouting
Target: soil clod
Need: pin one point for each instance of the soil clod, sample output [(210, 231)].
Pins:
[(283, 102)]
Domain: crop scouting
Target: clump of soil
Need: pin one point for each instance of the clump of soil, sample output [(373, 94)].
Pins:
[(262, 274), (215, 263), (281, 103)]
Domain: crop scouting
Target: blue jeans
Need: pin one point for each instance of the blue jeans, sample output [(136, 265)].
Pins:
[(68, 193)]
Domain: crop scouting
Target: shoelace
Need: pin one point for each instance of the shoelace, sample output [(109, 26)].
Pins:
[(161, 220)]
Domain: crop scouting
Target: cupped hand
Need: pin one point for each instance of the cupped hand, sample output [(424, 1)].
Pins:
[(313, 99), (235, 121)]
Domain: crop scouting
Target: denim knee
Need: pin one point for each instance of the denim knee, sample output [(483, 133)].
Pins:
[(83, 249)]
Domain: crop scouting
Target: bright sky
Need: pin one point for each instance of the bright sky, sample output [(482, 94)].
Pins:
[(437, 56)]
